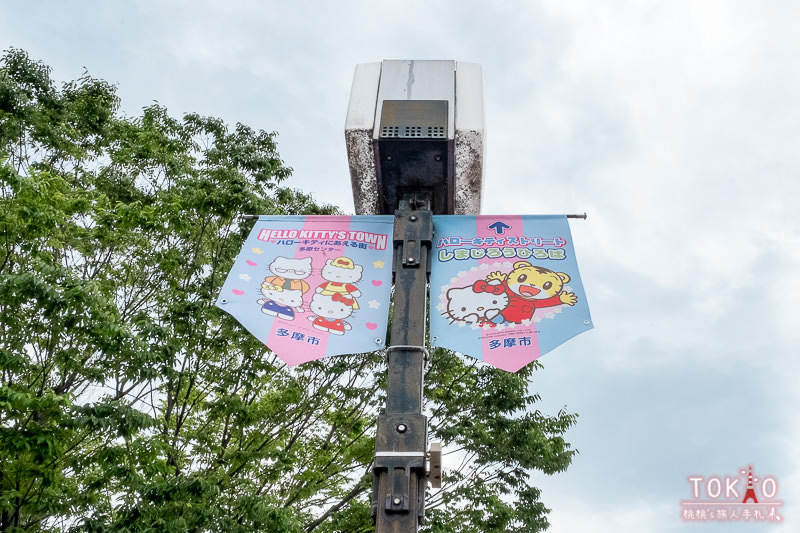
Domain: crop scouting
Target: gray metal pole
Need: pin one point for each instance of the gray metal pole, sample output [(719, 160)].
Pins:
[(401, 441)]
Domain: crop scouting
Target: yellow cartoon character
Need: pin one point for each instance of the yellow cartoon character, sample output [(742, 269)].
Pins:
[(340, 275), (532, 287)]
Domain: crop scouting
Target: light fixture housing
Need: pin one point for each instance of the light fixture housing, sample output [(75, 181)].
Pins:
[(416, 126)]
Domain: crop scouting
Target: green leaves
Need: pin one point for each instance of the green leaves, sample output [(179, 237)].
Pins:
[(485, 418), (121, 388)]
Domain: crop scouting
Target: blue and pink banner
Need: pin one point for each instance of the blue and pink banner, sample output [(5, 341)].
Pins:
[(310, 287), (505, 289)]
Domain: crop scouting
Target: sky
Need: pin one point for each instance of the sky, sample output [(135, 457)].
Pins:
[(674, 125)]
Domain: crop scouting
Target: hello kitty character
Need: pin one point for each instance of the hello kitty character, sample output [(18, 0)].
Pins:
[(283, 291), (281, 303), (330, 311), (481, 303), (340, 274)]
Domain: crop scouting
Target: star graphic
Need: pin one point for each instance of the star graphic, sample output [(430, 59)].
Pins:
[(257, 251), (378, 264)]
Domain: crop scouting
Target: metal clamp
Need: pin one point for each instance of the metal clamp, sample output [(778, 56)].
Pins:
[(426, 356), (407, 348)]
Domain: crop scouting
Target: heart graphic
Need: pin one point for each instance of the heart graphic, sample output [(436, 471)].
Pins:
[(237, 292), (371, 325), (251, 263), (377, 282)]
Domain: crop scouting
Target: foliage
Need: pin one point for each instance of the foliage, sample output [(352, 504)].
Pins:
[(129, 402)]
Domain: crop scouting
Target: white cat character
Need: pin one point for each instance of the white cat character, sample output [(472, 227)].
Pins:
[(283, 292), (281, 303), (481, 303), (340, 274), (330, 311)]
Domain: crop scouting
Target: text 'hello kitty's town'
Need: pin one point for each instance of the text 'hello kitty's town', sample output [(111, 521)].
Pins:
[(376, 240)]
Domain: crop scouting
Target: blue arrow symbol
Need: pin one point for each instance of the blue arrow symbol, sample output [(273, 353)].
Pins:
[(499, 227)]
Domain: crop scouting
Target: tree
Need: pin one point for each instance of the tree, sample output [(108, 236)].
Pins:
[(129, 402)]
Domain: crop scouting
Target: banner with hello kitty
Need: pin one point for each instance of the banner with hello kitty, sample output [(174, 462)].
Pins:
[(313, 286), (505, 289)]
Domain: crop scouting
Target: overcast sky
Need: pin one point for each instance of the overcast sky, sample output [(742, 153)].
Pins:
[(674, 125)]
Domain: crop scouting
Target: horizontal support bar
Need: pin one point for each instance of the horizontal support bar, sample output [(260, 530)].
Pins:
[(400, 454), (254, 217)]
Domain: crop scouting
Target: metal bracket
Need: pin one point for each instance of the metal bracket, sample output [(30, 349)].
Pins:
[(413, 226), (435, 465), (400, 457)]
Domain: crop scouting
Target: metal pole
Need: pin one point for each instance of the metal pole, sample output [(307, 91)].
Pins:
[(401, 442)]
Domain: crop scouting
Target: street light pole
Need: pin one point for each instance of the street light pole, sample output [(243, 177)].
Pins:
[(412, 153), (401, 441)]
